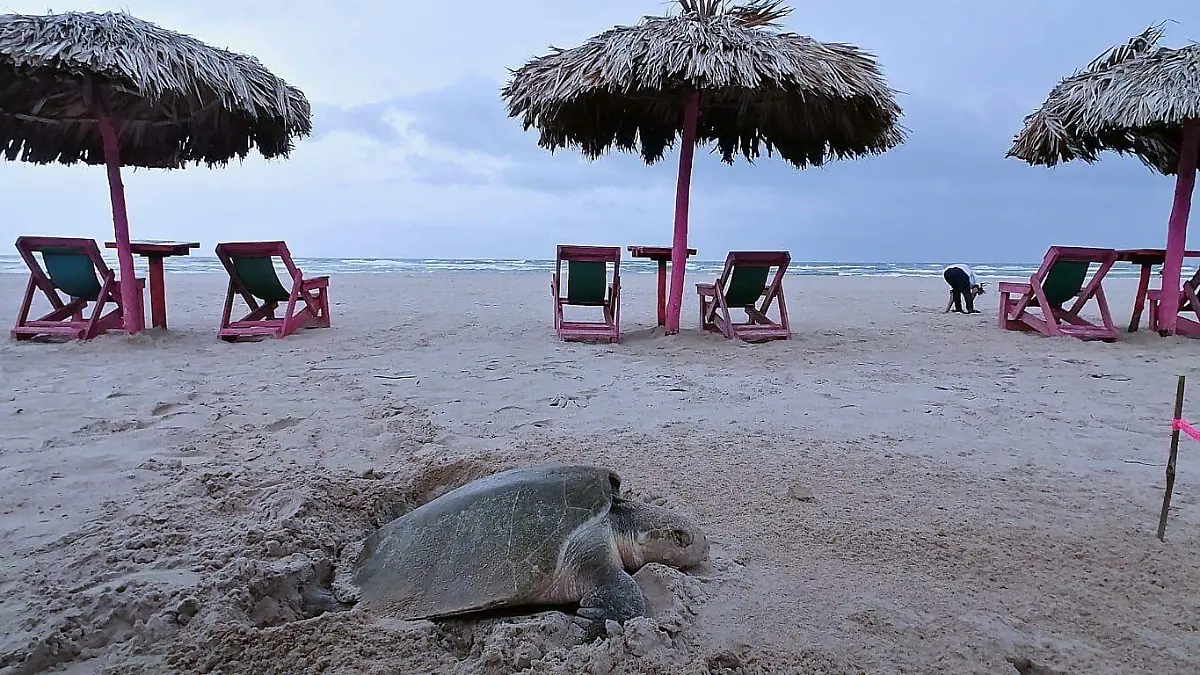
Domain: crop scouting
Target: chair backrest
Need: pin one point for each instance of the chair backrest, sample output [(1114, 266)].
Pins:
[(1064, 270), (71, 264), (1193, 282), (746, 284), (258, 275), (252, 265), (1064, 280), (587, 272), (744, 278), (71, 272), (587, 282)]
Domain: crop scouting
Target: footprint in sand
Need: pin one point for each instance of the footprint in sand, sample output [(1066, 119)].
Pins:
[(107, 427), (512, 414), (281, 424), (163, 409), (563, 401), (1026, 667)]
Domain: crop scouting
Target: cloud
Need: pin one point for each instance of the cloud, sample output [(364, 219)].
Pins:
[(949, 184), (414, 155)]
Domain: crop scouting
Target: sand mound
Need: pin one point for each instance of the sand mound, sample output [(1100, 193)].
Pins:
[(222, 548), (212, 575), (545, 643)]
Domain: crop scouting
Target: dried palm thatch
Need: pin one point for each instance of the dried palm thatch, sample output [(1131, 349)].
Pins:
[(173, 98), (761, 88), (1133, 99)]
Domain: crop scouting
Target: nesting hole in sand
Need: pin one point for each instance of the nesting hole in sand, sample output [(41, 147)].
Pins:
[(437, 479), (1025, 666), (425, 485), (724, 662)]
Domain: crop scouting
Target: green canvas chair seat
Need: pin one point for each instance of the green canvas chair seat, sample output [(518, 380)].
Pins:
[(257, 274), (587, 283), (746, 285), (71, 272), (1063, 282)]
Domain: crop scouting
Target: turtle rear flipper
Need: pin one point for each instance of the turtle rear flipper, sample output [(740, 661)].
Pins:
[(317, 600), (615, 596)]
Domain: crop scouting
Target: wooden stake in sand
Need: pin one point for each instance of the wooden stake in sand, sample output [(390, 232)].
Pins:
[(1162, 517)]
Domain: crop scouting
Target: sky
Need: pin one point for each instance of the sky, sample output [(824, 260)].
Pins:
[(413, 156)]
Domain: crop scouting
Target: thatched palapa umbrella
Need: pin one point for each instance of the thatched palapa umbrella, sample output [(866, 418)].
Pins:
[(715, 72), (113, 89), (1139, 99)]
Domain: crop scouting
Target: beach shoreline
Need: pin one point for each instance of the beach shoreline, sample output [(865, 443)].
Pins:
[(203, 263), (966, 494)]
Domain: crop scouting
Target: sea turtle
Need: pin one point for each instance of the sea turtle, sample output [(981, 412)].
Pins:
[(549, 534)]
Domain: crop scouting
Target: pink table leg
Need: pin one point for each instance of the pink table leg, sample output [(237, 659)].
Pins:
[(158, 292), (662, 292), (1139, 301)]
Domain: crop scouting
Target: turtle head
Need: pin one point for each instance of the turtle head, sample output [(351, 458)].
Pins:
[(647, 534)]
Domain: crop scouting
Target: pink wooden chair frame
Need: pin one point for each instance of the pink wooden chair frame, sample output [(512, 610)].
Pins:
[(66, 318), (715, 312), (607, 330), (1056, 322), (1188, 302), (307, 305)]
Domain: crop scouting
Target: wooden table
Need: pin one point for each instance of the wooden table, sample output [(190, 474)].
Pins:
[(1147, 258), (154, 252), (663, 255)]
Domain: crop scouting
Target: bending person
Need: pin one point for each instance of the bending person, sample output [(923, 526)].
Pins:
[(964, 285)]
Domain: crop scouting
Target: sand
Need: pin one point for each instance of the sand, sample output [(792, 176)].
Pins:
[(893, 491)]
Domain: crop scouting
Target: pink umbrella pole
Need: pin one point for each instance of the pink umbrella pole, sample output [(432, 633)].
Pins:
[(1185, 181), (131, 304), (679, 244)]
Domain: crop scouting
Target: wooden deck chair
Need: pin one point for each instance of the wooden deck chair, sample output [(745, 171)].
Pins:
[(252, 276), (75, 268), (743, 285), (1188, 302), (588, 286), (1062, 277)]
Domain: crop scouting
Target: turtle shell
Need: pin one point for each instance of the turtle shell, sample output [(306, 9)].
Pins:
[(492, 542)]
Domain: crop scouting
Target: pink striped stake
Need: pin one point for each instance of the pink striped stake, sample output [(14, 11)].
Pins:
[(1187, 428), (1185, 182), (683, 188), (131, 304), (1176, 425)]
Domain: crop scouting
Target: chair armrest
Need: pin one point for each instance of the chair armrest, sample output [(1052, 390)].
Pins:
[(315, 282), (706, 289), (1013, 287)]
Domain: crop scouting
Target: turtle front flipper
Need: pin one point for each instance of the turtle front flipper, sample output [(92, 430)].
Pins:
[(615, 596)]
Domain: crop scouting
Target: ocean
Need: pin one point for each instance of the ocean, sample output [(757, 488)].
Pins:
[(12, 264)]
